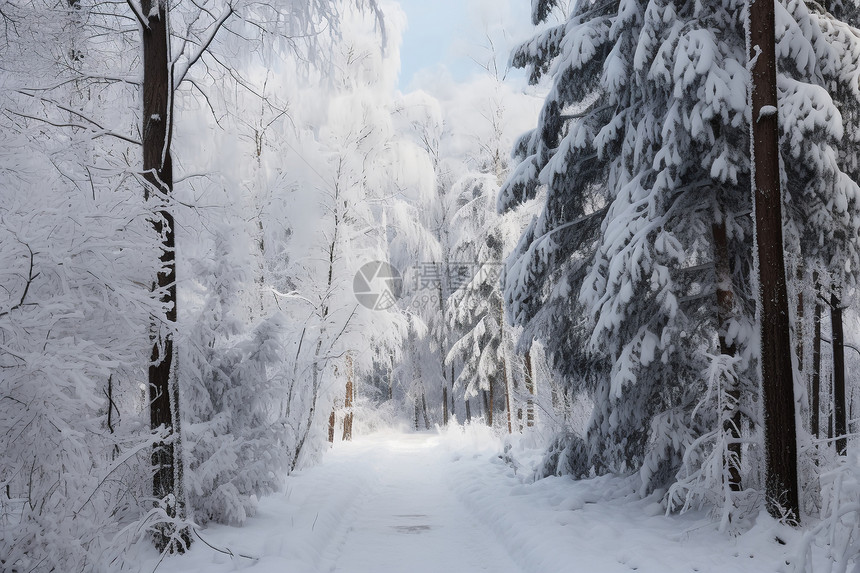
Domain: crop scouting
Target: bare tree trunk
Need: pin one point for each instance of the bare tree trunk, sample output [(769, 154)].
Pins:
[(442, 354), (725, 312), (331, 426), (507, 394), (504, 362), (158, 172), (315, 387), (815, 407), (424, 410), (453, 400), (839, 418), (468, 411), (391, 379), (780, 435), (530, 386), (315, 365), (488, 404), (799, 346), (349, 401)]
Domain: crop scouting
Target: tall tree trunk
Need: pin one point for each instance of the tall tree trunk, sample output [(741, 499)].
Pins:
[(315, 365), (725, 312), (391, 378), (801, 311), (453, 400), (424, 410), (349, 401), (507, 393), (444, 402), (158, 172), (331, 426), (504, 362), (815, 407), (839, 418), (468, 411), (442, 354), (780, 435), (315, 390), (488, 404), (530, 387)]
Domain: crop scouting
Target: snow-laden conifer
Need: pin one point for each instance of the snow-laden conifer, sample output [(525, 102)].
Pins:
[(642, 149)]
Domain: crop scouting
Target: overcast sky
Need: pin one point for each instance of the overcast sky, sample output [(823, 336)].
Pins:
[(451, 34)]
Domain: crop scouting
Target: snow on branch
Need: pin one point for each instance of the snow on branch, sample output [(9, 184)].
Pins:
[(29, 281), (204, 45), (99, 130), (138, 14)]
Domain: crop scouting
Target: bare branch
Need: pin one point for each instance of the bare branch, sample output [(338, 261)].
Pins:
[(210, 35), (208, 102), (95, 134), (82, 77), (30, 278), (137, 14)]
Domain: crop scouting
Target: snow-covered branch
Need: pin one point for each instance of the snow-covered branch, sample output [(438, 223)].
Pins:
[(29, 281), (209, 36), (138, 14)]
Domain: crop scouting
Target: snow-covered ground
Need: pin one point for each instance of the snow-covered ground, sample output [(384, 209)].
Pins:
[(445, 502)]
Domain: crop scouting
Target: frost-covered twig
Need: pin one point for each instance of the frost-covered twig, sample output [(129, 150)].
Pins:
[(30, 278), (225, 551), (210, 36), (138, 14)]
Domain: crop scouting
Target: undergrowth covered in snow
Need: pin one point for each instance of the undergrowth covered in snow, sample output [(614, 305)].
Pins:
[(394, 501)]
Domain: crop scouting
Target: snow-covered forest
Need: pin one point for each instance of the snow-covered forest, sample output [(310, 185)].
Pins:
[(603, 288)]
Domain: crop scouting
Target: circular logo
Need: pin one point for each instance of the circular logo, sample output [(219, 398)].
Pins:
[(377, 285)]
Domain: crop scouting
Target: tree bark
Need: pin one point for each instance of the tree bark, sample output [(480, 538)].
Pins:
[(815, 408), (725, 312), (158, 173), (530, 386), (799, 346), (453, 400), (839, 418), (391, 379), (349, 400), (780, 433), (331, 426), (504, 363), (507, 394), (442, 354), (444, 402), (424, 411)]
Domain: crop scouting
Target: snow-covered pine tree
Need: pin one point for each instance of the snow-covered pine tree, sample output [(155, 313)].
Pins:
[(234, 381), (641, 149), (826, 241), (476, 319)]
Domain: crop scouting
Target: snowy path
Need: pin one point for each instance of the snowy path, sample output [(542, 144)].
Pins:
[(415, 503), (410, 520)]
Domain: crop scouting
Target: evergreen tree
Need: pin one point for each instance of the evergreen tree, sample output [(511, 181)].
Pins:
[(642, 150)]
